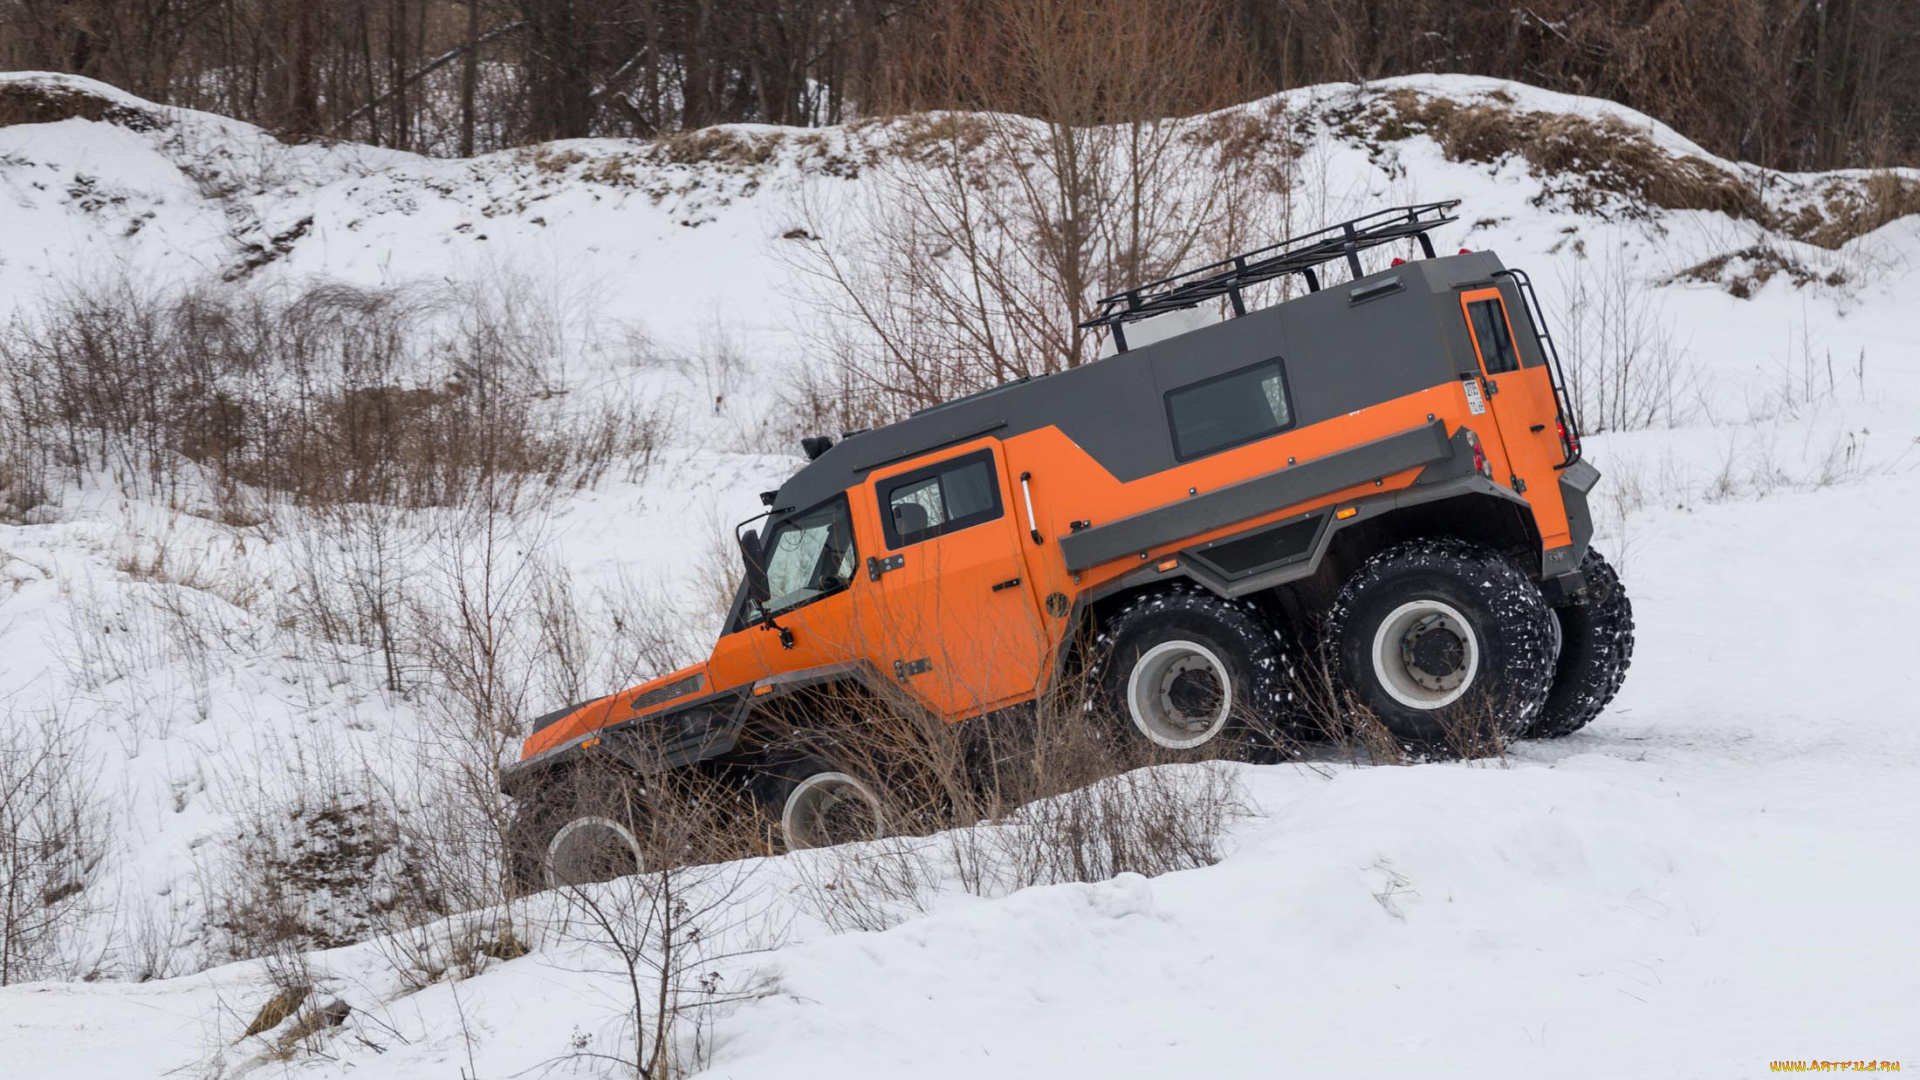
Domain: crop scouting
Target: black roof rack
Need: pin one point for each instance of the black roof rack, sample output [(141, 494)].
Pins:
[(1294, 255)]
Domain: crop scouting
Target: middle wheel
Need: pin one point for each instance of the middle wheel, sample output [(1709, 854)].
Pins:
[(814, 803), (1187, 668)]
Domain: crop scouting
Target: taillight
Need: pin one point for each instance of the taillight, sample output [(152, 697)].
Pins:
[(1480, 463), (1567, 444)]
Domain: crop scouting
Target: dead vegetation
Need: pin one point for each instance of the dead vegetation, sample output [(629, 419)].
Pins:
[(53, 835), (1602, 166), (1743, 272), (330, 395), (1850, 207), (1593, 165), (978, 244), (52, 102)]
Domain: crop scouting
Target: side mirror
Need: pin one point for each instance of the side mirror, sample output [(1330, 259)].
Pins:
[(756, 571)]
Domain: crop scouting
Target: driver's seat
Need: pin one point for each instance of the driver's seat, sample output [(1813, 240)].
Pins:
[(910, 519)]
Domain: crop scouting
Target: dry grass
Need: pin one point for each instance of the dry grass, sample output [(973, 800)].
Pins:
[(1849, 209), (332, 395), (1745, 271), (276, 1010), (1602, 158), (717, 146), (1592, 164), (40, 103)]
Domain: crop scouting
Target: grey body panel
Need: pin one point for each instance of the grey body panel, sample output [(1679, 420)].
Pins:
[(1261, 495), (1114, 408), (546, 720), (1193, 563), (1575, 482)]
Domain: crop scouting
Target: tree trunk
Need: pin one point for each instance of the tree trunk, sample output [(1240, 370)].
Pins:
[(470, 78)]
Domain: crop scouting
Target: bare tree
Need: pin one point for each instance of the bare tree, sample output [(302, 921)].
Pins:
[(979, 244), (52, 838)]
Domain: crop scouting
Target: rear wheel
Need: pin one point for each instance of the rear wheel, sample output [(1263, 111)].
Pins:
[(1186, 669), (1448, 644), (1596, 632)]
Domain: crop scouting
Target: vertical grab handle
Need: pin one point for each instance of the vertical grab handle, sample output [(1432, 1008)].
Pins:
[(1026, 492)]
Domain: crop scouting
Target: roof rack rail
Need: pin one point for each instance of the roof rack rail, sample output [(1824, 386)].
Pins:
[(1294, 255)]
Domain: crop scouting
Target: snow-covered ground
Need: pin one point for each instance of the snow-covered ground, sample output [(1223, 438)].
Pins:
[(1721, 872)]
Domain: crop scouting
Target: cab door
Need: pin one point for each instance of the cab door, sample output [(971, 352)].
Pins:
[(951, 620), (1523, 407), (812, 565)]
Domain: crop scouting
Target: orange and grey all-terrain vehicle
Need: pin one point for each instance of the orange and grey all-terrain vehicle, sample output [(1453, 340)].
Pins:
[(1387, 471)]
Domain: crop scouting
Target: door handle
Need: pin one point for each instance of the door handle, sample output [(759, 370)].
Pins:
[(1033, 527), (1007, 584)]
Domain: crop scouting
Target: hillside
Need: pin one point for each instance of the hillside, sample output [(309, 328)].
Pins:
[(1715, 875)]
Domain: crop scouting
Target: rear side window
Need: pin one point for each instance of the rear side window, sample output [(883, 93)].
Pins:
[(1490, 329), (1228, 410), (940, 499)]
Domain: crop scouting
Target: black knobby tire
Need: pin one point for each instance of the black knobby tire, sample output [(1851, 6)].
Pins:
[(1596, 647), (1501, 651), (810, 801), (1185, 626), (604, 798)]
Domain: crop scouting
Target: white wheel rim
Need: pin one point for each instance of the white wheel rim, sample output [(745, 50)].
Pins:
[(1151, 694), (809, 804), (576, 831), (1394, 650)]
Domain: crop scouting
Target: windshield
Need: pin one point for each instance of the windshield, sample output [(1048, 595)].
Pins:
[(809, 555)]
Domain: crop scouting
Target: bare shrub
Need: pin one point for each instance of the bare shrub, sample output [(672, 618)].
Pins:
[(52, 838), (330, 394), (1066, 794), (668, 934), (1625, 368), (1337, 719), (312, 865)]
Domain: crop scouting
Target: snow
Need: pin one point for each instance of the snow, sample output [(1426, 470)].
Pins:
[(1719, 873)]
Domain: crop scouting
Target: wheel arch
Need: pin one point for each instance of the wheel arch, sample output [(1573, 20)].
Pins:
[(1470, 508)]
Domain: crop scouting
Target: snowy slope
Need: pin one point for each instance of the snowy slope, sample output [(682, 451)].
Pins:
[(1717, 874)]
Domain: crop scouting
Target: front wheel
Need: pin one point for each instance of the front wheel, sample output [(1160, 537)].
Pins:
[(1446, 643), (1186, 669)]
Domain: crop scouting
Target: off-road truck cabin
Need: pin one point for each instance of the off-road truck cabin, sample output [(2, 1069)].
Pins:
[(1387, 472)]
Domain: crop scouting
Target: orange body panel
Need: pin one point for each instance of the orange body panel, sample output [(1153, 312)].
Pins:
[(1528, 447), (986, 646), (611, 709)]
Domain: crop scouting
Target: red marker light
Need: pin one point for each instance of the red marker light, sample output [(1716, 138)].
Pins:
[(1466, 251), (1397, 261)]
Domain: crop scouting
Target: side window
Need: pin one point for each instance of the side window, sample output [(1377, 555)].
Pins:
[(809, 555), (940, 499), (1490, 329), (1228, 410)]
